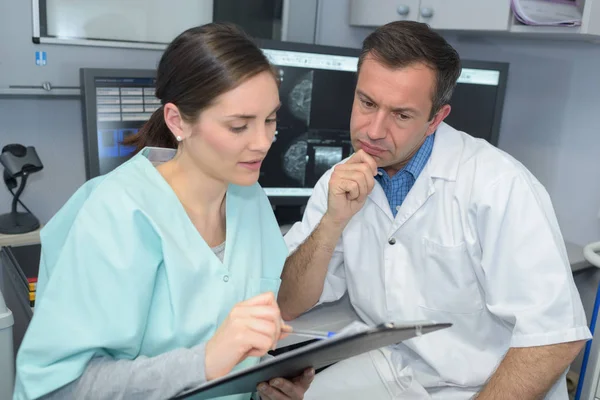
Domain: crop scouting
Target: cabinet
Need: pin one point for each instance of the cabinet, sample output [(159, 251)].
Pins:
[(491, 15), (16, 265), (371, 13), (476, 16)]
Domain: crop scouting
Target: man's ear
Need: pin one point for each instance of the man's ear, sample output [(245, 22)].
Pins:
[(438, 118)]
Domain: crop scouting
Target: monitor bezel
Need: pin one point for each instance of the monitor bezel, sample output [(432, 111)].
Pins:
[(503, 68), (267, 44)]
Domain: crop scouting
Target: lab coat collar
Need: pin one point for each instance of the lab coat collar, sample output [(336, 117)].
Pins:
[(446, 154), (443, 163)]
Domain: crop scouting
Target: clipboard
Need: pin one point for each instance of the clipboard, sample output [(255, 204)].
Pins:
[(316, 355)]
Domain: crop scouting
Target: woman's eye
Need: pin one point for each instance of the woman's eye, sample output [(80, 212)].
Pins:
[(238, 129)]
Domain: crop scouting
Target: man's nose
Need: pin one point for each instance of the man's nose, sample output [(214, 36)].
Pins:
[(377, 127)]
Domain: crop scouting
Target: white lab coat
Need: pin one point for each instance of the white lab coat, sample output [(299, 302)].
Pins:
[(475, 243)]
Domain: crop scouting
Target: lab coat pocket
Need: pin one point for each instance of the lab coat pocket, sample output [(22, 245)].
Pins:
[(448, 282)]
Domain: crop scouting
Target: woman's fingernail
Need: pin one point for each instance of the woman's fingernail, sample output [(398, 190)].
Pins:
[(276, 382), (310, 373)]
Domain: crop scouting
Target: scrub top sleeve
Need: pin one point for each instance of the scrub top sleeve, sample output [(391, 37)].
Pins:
[(335, 282), (96, 299), (151, 378), (528, 281)]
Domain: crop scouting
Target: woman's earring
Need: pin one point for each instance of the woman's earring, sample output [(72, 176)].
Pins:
[(179, 138)]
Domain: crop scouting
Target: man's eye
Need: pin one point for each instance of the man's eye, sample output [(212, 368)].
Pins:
[(368, 104)]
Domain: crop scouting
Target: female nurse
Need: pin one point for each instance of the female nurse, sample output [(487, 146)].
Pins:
[(157, 277)]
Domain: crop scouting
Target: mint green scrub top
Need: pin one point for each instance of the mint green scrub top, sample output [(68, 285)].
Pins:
[(124, 272)]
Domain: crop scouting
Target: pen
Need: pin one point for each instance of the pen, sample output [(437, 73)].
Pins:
[(312, 334)]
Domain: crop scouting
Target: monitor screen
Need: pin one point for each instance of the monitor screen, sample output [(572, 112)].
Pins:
[(317, 86), (316, 92), (117, 104)]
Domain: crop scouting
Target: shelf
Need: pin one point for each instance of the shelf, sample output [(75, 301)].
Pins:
[(23, 239), (545, 30), (39, 92)]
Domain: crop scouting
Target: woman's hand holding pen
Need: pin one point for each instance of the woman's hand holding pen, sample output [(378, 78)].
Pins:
[(251, 329)]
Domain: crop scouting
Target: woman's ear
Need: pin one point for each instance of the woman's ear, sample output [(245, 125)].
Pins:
[(174, 121)]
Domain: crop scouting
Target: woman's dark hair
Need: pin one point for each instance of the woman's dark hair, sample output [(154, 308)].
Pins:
[(198, 66), (401, 43)]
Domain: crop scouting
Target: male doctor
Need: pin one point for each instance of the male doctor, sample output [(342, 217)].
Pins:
[(426, 222)]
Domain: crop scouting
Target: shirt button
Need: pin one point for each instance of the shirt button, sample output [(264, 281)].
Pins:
[(226, 278), (392, 241), (397, 208)]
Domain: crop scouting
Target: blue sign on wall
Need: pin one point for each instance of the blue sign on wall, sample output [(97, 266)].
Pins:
[(40, 58)]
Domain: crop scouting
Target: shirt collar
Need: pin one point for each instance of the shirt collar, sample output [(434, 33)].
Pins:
[(416, 164)]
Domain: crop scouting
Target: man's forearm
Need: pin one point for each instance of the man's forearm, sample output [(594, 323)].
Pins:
[(305, 270), (529, 372)]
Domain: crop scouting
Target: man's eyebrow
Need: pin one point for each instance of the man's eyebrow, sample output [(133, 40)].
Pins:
[(363, 94), (397, 110), (401, 110)]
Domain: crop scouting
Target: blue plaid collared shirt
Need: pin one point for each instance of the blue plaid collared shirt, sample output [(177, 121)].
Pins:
[(397, 187)]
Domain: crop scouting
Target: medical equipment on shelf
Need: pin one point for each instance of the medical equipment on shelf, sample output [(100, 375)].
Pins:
[(19, 162)]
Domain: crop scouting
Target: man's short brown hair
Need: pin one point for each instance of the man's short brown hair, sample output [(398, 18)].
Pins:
[(402, 43)]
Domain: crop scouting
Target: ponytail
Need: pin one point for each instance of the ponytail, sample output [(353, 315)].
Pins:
[(154, 133)]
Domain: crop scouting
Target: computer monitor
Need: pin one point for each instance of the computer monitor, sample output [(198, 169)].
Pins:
[(478, 99), (116, 103), (316, 91)]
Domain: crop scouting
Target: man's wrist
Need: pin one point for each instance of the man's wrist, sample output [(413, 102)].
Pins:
[(331, 225)]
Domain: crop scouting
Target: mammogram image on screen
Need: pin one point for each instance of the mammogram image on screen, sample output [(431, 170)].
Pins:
[(294, 160), (299, 98), (295, 92), (312, 126), (326, 157)]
